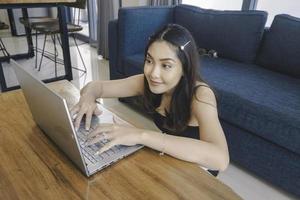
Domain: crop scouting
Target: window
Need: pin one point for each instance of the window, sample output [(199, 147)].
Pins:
[(216, 4), (274, 7)]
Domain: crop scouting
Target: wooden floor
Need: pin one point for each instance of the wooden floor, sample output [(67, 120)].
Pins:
[(248, 186)]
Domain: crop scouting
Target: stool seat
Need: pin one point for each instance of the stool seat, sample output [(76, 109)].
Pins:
[(53, 28), (34, 21)]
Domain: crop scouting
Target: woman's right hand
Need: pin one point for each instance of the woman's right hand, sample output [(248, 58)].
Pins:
[(86, 106)]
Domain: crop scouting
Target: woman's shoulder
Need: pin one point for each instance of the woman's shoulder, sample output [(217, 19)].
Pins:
[(204, 95)]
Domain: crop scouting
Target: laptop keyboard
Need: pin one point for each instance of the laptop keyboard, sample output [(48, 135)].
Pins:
[(89, 151)]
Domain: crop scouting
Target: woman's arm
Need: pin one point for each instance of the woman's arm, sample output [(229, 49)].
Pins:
[(203, 153), (211, 150), (130, 86), (187, 149)]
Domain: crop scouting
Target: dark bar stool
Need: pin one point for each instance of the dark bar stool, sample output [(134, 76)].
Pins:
[(36, 21), (50, 27), (52, 31)]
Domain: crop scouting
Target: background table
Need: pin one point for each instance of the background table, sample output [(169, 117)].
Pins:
[(24, 4), (32, 167)]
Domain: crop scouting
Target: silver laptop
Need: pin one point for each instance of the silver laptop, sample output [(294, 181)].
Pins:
[(51, 114)]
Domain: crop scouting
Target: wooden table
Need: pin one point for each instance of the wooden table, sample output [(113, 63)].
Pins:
[(32, 167), (24, 4)]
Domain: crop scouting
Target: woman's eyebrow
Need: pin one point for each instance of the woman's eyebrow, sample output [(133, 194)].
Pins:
[(167, 59), (148, 54), (162, 59)]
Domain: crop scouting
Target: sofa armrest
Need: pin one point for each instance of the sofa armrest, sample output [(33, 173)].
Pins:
[(136, 24)]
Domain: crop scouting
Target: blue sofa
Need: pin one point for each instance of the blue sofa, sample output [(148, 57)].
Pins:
[(256, 77)]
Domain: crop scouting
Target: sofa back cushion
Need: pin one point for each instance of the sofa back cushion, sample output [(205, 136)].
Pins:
[(280, 50), (233, 34), (135, 26)]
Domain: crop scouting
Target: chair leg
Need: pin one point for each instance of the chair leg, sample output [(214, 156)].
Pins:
[(55, 54), (3, 49), (36, 48), (59, 41), (43, 51), (75, 41), (85, 69)]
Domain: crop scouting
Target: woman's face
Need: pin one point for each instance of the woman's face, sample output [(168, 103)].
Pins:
[(162, 68)]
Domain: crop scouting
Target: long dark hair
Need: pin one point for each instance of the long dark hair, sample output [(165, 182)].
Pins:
[(179, 113)]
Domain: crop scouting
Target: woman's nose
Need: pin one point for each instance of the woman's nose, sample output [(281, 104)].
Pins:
[(155, 73)]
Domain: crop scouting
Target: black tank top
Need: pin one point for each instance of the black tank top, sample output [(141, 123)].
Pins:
[(189, 131)]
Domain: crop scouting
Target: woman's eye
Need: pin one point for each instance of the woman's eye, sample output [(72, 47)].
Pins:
[(148, 61), (166, 66)]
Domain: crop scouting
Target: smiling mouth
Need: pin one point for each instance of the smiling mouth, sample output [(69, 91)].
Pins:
[(155, 82)]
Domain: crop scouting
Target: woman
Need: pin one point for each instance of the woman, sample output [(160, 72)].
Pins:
[(183, 106)]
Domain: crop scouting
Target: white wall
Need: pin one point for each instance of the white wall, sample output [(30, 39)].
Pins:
[(3, 16), (274, 7), (216, 4), (132, 3)]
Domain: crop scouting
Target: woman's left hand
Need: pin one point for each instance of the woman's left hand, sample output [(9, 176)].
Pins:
[(116, 134)]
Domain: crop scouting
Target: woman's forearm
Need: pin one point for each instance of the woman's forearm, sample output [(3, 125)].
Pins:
[(206, 154), (127, 87), (93, 88)]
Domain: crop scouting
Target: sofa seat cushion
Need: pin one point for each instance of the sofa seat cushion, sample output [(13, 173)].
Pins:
[(281, 46), (234, 35), (257, 100), (250, 97)]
